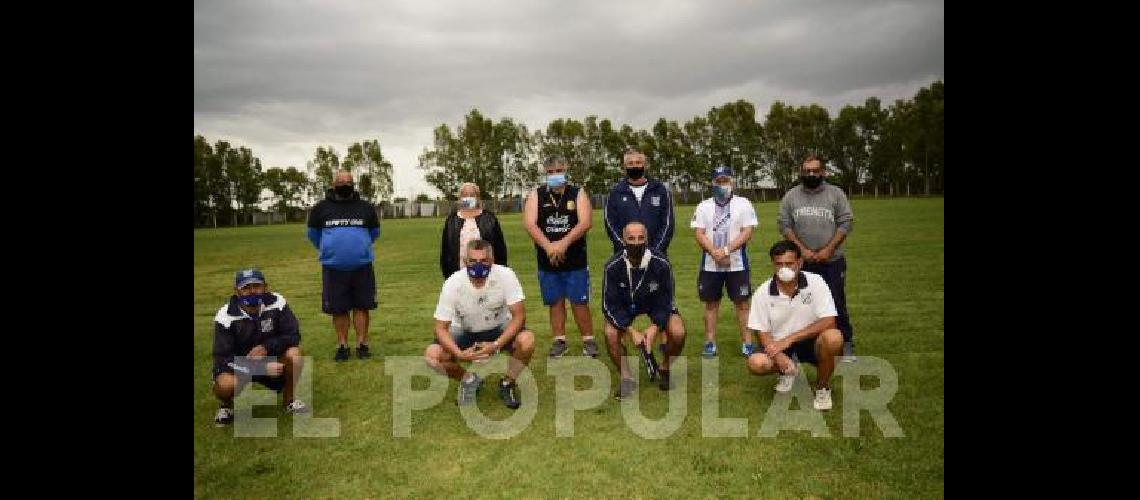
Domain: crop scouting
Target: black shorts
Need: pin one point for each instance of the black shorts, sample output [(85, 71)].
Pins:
[(276, 384), (342, 291), (466, 339), (710, 285), (804, 351)]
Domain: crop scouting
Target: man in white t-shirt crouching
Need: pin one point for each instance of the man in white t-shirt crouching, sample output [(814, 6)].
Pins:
[(486, 300), (793, 315)]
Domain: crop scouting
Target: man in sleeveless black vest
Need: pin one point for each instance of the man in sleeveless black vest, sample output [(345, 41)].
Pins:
[(557, 217)]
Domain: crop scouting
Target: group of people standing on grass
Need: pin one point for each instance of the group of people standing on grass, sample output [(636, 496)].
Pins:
[(797, 315)]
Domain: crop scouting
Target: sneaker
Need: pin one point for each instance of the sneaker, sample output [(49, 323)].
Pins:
[(785, 383), (626, 389), (297, 407), (590, 348), (651, 366), (664, 384), (710, 350), (224, 417), (468, 389), (341, 354), (848, 353), (747, 349), (362, 351), (822, 399), (557, 349), (787, 380), (507, 394)]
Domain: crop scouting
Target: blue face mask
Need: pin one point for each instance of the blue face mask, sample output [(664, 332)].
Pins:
[(556, 180), (251, 300), (478, 270), (722, 192)]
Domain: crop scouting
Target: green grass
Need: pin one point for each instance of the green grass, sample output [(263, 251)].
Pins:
[(895, 293)]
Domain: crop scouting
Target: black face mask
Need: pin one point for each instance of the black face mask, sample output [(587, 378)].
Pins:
[(343, 190), (635, 252), (635, 173), (811, 181)]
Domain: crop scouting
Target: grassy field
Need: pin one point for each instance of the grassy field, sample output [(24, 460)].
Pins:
[(895, 295)]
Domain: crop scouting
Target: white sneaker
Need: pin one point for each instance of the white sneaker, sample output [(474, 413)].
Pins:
[(297, 407), (785, 383), (822, 399), (224, 417)]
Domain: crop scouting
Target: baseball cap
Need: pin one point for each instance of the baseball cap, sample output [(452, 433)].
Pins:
[(247, 276), (721, 171)]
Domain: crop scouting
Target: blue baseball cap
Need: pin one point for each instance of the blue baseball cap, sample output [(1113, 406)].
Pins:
[(248, 276), (721, 171)]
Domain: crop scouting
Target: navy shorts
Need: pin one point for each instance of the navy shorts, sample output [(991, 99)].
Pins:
[(342, 291), (711, 285), (464, 339), (557, 285)]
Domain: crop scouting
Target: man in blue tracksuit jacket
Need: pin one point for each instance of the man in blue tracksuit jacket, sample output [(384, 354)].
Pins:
[(639, 198), (636, 281), (343, 227)]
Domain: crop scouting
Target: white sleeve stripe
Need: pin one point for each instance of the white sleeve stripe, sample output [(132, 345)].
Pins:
[(605, 217), (669, 214), (605, 274)]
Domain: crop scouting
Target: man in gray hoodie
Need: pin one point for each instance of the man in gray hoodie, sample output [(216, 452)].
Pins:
[(817, 217)]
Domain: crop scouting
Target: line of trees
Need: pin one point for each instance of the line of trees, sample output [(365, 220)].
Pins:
[(870, 148), (230, 183)]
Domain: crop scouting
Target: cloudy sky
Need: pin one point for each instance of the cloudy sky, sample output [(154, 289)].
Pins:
[(282, 77)]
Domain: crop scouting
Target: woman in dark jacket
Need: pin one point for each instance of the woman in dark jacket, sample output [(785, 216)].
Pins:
[(469, 221)]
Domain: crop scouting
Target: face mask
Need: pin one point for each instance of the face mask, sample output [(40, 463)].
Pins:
[(722, 192), (478, 270), (811, 181), (786, 274), (468, 202), (635, 251), (556, 180), (635, 173), (250, 300), (343, 190)]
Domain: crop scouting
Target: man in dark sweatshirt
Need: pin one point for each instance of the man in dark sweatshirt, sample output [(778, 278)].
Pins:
[(639, 198), (344, 227), (635, 282), (256, 334)]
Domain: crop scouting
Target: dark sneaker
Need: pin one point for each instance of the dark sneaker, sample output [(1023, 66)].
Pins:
[(468, 389), (627, 389), (224, 417), (558, 349), (362, 351), (341, 354), (590, 348), (297, 407), (664, 384), (848, 353), (507, 394)]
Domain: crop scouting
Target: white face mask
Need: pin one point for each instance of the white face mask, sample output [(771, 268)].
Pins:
[(468, 202), (786, 274)]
